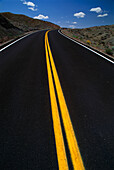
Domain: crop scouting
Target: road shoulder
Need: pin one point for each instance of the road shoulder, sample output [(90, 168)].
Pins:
[(106, 56)]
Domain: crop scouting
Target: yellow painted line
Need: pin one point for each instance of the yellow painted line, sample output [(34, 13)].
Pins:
[(61, 154), (71, 139)]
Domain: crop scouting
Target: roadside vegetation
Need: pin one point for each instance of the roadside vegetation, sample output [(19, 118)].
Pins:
[(100, 38)]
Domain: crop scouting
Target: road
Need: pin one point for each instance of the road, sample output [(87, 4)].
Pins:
[(28, 139)]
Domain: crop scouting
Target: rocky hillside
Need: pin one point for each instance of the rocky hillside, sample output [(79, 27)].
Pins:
[(13, 25), (7, 30), (100, 37)]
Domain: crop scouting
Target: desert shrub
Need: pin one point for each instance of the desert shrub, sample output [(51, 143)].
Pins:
[(109, 51), (88, 42), (75, 36), (112, 48)]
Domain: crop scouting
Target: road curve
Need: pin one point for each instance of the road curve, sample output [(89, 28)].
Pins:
[(27, 139)]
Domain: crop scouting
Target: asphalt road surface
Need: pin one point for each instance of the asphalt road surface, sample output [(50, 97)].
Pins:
[(27, 138)]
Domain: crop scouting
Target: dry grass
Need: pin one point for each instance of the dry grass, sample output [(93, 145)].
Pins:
[(14, 25), (26, 23), (101, 38)]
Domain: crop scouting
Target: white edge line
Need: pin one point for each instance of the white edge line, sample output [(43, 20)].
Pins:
[(14, 42), (87, 48)]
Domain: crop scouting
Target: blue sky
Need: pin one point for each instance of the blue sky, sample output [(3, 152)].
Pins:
[(66, 13)]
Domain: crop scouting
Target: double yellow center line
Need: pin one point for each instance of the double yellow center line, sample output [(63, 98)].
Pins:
[(70, 135)]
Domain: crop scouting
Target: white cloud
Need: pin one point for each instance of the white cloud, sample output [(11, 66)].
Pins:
[(97, 10), (79, 15), (33, 9), (67, 22), (74, 22), (40, 16), (104, 15), (30, 5)]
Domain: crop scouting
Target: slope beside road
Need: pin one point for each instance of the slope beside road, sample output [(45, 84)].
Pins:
[(27, 138)]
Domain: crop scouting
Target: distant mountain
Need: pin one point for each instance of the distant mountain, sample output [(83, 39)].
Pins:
[(13, 25)]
